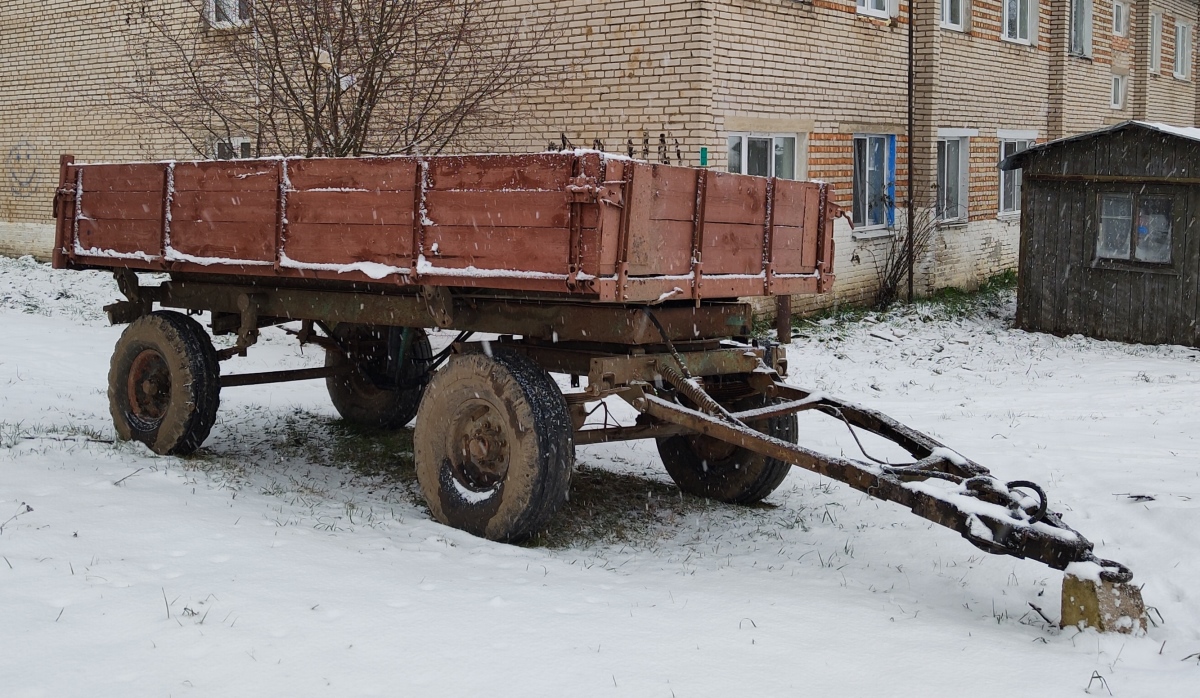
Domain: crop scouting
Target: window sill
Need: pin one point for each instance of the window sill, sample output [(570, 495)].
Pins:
[(953, 27), (1016, 42), (875, 14), (1140, 267), (956, 224), (1009, 216), (1182, 78), (872, 233), (1080, 56)]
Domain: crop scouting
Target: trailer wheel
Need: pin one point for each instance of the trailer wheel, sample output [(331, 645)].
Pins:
[(708, 467), (493, 446), (164, 383), (377, 393)]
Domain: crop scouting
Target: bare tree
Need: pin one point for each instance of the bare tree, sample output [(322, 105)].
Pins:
[(331, 77), (891, 263)]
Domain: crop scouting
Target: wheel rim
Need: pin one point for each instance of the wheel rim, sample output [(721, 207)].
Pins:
[(149, 388), (478, 441)]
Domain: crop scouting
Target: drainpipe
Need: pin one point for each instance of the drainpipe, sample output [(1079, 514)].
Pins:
[(909, 252)]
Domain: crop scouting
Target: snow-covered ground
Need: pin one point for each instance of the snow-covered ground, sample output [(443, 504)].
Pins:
[(266, 566)]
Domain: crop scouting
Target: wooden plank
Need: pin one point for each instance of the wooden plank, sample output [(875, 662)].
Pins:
[(732, 249), (229, 240), (545, 250), (1186, 327), (253, 206), (123, 205), (795, 250), (543, 171), (227, 176), (351, 208), (488, 209), (112, 178), (323, 243), (1066, 264), (663, 249), (1083, 227), (370, 174), (1030, 275), (735, 199), (673, 193), (125, 236), (1050, 270)]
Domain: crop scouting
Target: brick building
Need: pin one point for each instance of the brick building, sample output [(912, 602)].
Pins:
[(792, 88)]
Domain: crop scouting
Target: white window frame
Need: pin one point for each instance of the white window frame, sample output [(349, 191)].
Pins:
[(947, 23), (1120, 87), (1029, 8), (210, 14), (887, 168), (1080, 29), (961, 213), (772, 166), (1016, 139), (1183, 50), (1120, 15), (869, 8), (1156, 42), (235, 144)]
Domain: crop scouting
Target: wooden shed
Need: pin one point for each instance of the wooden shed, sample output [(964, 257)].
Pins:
[(1110, 239)]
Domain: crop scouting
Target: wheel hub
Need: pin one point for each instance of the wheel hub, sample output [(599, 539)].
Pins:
[(482, 450), (149, 386)]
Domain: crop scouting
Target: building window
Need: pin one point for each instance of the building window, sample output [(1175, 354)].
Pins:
[(952, 178), (1010, 180), (762, 155), (874, 180), (1118, 91), (224, 14), (875, 8), (1020, 22), (1120, 18), (952, 14), (1081, 28), (1155, 42), (1149, 241), (233, 149), (1183, 50)]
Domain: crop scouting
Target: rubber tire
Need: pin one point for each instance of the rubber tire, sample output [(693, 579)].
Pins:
[(360, 401), (195, 383), (743, 476), (539, 461)]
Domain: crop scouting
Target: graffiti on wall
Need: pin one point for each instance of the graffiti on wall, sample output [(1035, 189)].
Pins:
[(20, 169)]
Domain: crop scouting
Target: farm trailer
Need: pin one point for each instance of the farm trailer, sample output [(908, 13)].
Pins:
[(584, 264)]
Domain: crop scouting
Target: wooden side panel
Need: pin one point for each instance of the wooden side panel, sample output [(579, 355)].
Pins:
[(662, 220), (367, 174), (544, 171), (797, 214), (502, 212), (735, 215), (345, 211), (121, 209), (226, 210)]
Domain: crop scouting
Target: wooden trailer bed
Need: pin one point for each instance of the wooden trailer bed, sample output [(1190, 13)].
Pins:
[(583, 224)]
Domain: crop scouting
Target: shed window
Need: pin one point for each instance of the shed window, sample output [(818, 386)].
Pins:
[(1148, 241), (765, 156), (874, 180)]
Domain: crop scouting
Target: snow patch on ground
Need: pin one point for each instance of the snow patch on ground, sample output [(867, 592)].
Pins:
[(276, 562)]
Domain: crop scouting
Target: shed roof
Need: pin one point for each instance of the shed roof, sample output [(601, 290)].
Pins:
[(1017, 161)]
